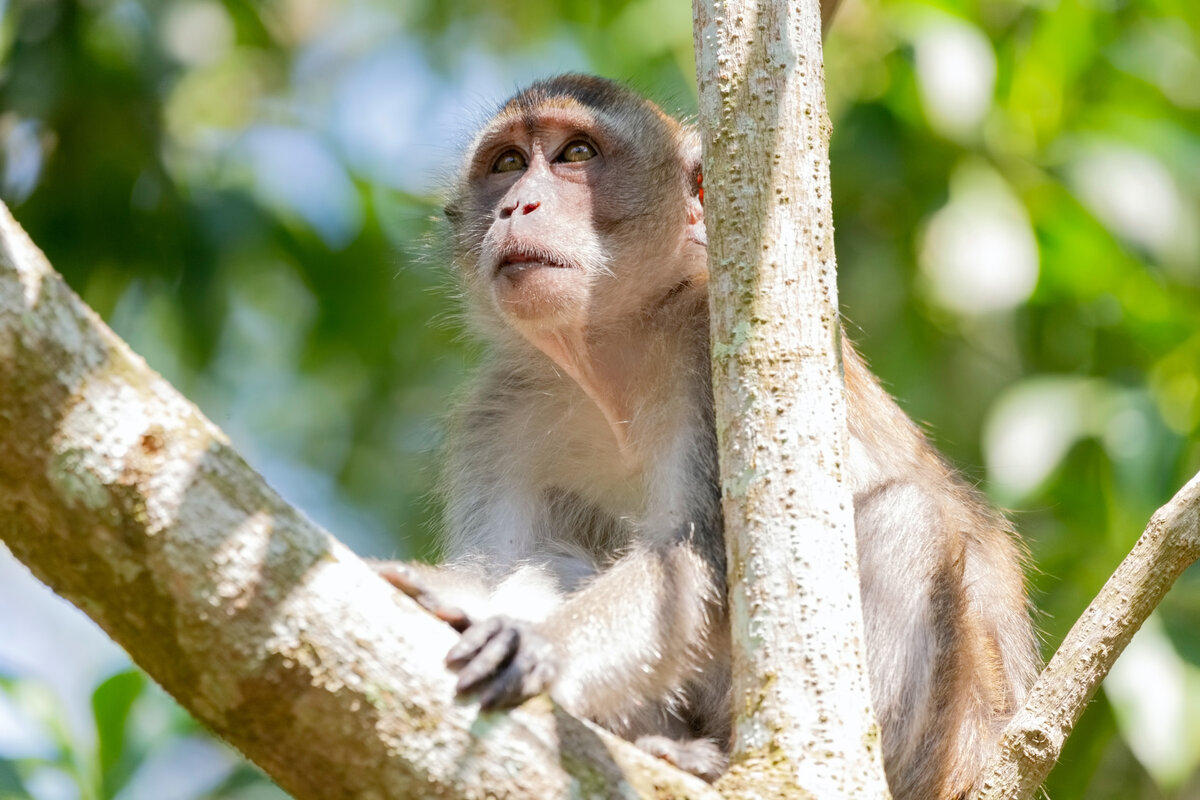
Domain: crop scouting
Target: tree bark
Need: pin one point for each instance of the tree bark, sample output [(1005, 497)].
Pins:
[(124, 499), (1033, 740), (121, 496), (802, 710)]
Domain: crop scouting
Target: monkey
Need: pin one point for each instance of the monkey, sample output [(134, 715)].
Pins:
[(584, 552)]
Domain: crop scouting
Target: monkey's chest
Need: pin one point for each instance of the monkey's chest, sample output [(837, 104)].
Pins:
[(594, 480)]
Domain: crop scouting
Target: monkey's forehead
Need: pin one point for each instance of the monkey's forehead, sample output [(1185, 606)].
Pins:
[(617, 118), (624, 124), (554, 113), (591, 91), (583, 101)]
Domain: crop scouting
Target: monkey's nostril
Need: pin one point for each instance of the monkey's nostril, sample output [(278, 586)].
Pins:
[(507, 211), (530, 207)]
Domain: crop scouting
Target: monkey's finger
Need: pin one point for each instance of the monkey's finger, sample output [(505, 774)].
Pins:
[(454, 617), (405, 579), (398, 577), (505, 690), (490, 662), (402, 578), (473, 640)]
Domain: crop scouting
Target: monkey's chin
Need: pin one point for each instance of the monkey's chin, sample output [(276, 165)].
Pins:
[(534, 292)]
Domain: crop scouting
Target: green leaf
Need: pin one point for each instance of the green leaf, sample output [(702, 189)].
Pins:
[(246, 782), (111, 704), (11, 785)]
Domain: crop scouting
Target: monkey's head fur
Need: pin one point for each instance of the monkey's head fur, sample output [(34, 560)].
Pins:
[(576, 202)]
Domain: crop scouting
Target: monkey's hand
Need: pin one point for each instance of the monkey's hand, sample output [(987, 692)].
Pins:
[(503, 660), (408, 579)]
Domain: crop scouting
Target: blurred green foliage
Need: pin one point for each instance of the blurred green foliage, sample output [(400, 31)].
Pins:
[(131, 723), (244, 192)]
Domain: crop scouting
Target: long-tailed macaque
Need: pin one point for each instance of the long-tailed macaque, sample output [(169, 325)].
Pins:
[(584, 550)]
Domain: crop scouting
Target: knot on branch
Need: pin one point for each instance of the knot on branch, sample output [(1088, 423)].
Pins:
[(1034, 740)]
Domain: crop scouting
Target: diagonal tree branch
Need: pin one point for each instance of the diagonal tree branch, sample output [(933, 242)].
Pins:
[(123, 498), (1033, 740)]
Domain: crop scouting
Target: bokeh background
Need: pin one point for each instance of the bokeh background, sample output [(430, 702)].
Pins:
[(245, 191)]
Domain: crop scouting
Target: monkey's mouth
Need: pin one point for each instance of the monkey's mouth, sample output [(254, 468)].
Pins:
[(520, 260)]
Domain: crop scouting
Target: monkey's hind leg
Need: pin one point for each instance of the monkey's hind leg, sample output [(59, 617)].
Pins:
[(703, 758)]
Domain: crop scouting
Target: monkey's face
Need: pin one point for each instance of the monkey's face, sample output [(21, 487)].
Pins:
[(576, 214), (537, 187)]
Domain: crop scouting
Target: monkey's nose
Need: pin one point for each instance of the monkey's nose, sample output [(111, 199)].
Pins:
[(527, 208)]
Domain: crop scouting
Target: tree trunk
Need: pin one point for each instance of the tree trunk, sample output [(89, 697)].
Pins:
[(801, 704), (122, 497)]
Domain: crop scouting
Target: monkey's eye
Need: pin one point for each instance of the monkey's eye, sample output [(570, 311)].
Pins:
[(509, 161), (577, 150)]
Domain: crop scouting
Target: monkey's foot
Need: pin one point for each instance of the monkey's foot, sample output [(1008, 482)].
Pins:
[(503, 660), (701, 757), (407, 579)]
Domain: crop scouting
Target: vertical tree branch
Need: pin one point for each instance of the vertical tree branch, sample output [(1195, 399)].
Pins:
[(803, 719)]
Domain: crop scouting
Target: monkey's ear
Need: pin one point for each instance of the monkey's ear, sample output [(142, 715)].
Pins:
[(695, 169), (691, 153), (695, 206)]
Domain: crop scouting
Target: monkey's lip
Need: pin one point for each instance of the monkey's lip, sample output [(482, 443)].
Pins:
[(519, 261)]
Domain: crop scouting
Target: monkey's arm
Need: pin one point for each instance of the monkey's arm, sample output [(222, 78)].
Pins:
[(633, 634), (463, 593), (620, 643), (626, 638)]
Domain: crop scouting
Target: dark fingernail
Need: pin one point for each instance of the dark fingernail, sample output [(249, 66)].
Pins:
[(454, 617)]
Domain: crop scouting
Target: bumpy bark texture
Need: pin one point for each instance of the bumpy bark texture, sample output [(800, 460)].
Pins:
[(124, 499), (1035, 737), (802, 710)]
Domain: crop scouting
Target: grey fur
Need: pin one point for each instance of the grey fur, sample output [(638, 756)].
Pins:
[(611, 568)]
